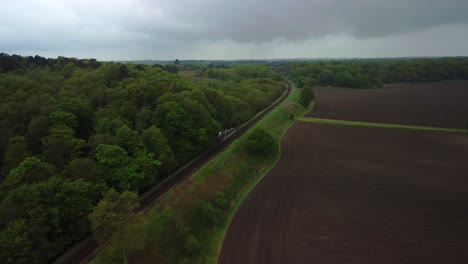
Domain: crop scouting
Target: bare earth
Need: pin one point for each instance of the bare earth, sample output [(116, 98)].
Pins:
[(342, 194), (440, 104)]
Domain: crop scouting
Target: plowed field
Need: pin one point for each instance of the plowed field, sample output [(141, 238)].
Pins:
[(342, 194), (440, 104)]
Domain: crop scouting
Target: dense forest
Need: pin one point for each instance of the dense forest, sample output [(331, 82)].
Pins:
[(72, 129), (373, 73)]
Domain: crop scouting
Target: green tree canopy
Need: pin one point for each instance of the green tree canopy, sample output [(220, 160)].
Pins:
[(38, 128), (306, 96), (118, 230), (129, 140), (61, 145), (55, 211), (67, 125), (16, 245), (85, 169), (157, 144), (17, 151), (262, 142), (117, 167), (30, 170), (62, 118)]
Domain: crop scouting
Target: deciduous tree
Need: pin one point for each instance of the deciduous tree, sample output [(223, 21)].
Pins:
[(118, 230), (16, 246), (17, 151), (262, 142), (306, 96)]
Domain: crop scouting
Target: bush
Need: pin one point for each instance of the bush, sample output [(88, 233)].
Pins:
[(221, 201), (262, 142), (292, 116), (306, 97), (210, 214), (191, 244)]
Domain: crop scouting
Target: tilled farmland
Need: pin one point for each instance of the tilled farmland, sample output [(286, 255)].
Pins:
[(440, 104), (342, 194)]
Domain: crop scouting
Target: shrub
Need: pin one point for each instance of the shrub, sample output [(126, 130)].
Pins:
[(210, 214), (262, 142), (221, 201), (306, 97), (191, 244)]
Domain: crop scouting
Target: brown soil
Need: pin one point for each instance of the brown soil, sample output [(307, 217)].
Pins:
[(440, 104), (342, 194)]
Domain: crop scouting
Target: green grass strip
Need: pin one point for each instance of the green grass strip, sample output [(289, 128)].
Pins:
[(381, 125), (278, 124)]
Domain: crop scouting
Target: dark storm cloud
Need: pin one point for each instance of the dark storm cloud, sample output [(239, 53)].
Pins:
[(165, 28), (264, 20)]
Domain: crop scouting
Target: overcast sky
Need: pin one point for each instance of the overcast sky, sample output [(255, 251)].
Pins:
[(233, 29)]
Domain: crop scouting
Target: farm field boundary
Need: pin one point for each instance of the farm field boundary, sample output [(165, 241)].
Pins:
[(381, 125)]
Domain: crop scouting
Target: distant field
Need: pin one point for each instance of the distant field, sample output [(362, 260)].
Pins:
[(344, 194), (439, 104)]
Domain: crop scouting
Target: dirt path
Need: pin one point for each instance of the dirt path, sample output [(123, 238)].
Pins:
[(343, 194)]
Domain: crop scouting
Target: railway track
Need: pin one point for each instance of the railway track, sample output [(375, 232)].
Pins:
[(85, 253)]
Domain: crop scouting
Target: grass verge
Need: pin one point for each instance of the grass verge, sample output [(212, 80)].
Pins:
[(381, 125), (203, 206)]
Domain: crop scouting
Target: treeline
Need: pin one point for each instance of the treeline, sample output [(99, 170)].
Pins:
[(373, 73), (72, 129)]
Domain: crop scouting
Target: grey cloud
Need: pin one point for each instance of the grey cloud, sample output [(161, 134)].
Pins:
[(165, 28), (264, 20)]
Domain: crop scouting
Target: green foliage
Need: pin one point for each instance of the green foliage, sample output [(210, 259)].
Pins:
[(129, 139), (117, 229), (219, 74), (119, 172), (157, 144), (110, 156), (17, 151), (221, 201), (108, 126), (38, 128), (191, 244), (144, 118), (210, 214), (62, 118), (61, 145), (292, 116), (85, 169), (16, 245), (373, 73), (306, 97), (148, 166), (29, 170), (55, 212), (262, 142), (345, 79), (68, 124)]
